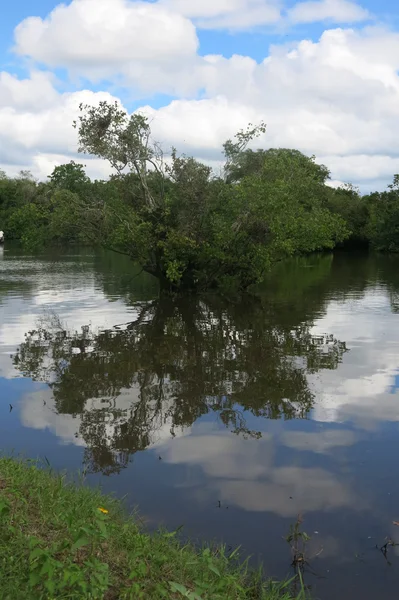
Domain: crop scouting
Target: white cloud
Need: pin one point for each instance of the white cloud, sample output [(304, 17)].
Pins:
[(37, 411), (36, 125), (228, 14), (200, 127), (248, 14), (110, 31), (336, 11), (103, 37), (243, 473), (361, 390), (362, 166), (35, 93), (337, 98)]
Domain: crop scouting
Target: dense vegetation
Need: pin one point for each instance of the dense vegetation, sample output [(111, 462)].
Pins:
[(190, 228), (60, 540)]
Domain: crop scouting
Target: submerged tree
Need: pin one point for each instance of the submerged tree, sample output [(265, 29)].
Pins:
[(189, 228), (179, 360)]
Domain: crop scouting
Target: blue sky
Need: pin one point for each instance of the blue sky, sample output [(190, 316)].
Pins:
[(252, 43), (323, 74)]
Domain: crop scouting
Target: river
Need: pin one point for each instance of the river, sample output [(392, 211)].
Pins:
[(226, 418)]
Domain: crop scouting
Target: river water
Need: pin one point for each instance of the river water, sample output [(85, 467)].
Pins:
[(228, 419)]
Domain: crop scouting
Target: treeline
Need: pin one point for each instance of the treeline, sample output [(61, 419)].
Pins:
[(182, 223)]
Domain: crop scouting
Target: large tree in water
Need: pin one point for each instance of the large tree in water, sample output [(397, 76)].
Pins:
[(195, 230)]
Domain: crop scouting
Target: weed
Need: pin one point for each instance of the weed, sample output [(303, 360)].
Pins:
[(298, 541), (67, 541)]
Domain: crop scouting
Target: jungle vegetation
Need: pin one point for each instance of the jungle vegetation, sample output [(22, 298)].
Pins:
[(192, 228)]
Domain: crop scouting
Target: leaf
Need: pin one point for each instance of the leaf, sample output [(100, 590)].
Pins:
[(103, 529), (36, 553), (214, 569), (170, 535), (234, 553), (178, 587), (34, 579), (4, 507), (83, 541), (33, 542), (50, 586)]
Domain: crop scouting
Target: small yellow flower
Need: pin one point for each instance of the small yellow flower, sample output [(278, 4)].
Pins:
[(103, 510)]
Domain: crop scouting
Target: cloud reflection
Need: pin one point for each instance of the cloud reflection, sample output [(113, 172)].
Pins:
[(321, 442), (363, 389), (38, 411), (244, 473)]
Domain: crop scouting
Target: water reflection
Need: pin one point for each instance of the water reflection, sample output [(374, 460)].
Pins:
[(177, 361), (365, 391), (306, 378), (248, 476)]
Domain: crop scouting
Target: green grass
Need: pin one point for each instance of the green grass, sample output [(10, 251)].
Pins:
[(56, 543)]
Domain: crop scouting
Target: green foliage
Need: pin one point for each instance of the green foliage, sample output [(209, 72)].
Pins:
[(346, 202), (382, 228), (192, 229), (58, 541), (15, 193), (276, 165), (235, 150), (71, 177), (52, 219)]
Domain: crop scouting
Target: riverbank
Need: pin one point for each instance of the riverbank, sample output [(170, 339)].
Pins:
[(62, 540)]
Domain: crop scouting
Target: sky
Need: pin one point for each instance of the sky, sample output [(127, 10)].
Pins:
[(322, 74)]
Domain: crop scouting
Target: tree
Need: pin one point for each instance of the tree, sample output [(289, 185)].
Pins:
[(15, 193), (193, 230), (108, 132), (274, 165), (235, 150), (71, 177), (347, 202)]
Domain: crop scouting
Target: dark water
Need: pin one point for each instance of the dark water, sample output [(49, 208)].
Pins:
[(229, 419)]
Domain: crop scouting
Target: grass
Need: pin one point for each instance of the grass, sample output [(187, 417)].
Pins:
[(63, 540)]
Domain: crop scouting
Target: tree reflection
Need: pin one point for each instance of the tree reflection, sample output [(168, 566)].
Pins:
[(177, 361)]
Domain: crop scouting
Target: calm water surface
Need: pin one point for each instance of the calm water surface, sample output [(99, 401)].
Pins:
[(229, 419)]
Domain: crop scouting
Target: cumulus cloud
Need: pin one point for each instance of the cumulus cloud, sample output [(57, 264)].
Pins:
[(247, 14), (228, 14), (36, 124), (33, 93), (200, 127), (337, 97), (105, 35), (336, 11)]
